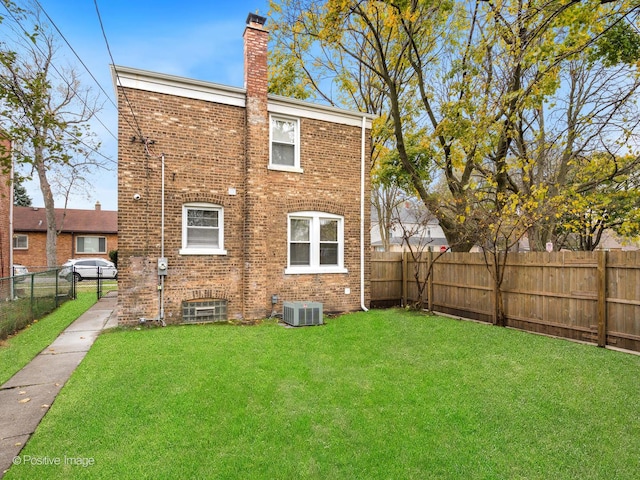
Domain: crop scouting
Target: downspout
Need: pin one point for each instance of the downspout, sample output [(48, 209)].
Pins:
[(10, 242), (362, 211)]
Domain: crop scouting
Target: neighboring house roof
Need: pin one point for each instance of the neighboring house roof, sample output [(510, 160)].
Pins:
[(33, 219), (414, 241)]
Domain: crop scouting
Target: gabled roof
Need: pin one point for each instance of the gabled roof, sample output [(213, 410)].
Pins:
[(33, 219)]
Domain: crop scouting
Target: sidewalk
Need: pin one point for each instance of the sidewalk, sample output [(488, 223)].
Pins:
[(27, 396)]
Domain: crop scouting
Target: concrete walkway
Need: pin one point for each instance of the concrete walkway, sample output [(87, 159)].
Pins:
[(27, 396)]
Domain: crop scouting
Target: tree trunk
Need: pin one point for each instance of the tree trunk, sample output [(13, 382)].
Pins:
[(49, 206)]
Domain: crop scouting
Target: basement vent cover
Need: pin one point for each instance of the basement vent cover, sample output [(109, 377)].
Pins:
[(204, 311), (298, 314)]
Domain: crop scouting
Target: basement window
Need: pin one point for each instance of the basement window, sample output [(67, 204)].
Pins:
[(199, 311)]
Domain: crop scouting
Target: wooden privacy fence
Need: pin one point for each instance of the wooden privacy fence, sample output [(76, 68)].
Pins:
[(589, 296)]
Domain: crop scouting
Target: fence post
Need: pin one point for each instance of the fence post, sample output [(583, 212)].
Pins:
[(33, 296), (405, 274), (602, 298), (55, 273), (430, 281)]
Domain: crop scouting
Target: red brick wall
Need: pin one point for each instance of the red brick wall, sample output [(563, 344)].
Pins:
[(203, 145), (204, 151), (210, 148), (6, 241)]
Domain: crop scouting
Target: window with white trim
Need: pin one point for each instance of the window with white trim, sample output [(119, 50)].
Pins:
[(202, 229), (21, 242), (316, 243), (284, 134), (91, 245)]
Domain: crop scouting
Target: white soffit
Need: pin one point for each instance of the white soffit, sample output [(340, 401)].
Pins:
[(177, 86), (212, 92), (298, 108)]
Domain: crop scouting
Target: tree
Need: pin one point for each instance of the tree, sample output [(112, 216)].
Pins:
[(413, 220), (478, 78), (44, 110), (20, 196), (614, 205)]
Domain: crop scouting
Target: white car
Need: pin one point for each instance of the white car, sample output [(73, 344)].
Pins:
[(84, 268)]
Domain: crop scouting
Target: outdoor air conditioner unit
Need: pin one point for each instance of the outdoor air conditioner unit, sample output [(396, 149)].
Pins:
[(298, 314)]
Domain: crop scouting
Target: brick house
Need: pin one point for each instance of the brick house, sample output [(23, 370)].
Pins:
[(6, 204), (89, 233), (251, 199)]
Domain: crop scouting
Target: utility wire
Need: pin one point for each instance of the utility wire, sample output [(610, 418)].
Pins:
[(135, 119), (73, 137), (83, 64), (62, 77)]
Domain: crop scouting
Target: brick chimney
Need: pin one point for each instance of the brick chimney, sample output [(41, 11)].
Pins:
[(98, 206), (255, 57), (255, 295)]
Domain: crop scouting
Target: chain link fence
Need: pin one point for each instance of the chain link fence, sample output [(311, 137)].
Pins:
[(28, 297), (31, 296)]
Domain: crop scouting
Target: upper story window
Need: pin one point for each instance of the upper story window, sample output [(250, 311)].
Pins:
[(20, 242), (285, 144), (91, 245), (316, 243), (202, 229)]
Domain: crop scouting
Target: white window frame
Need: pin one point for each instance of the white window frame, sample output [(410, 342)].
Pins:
[(19, 235), (91, 236), (314, 236), (203, 251), (296, 155)]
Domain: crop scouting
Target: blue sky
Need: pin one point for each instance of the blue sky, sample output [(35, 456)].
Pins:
[(195, 39)]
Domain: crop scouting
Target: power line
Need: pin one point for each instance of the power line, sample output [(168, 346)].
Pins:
[(83, 64), (62, 77), (72, 137), (138, 129)]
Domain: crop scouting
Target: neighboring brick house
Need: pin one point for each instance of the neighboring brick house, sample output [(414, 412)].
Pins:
[(88, 233), (263, 196), (6, 203)]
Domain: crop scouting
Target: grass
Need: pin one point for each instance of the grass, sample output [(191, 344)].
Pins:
[(20, 349), (383, 394)]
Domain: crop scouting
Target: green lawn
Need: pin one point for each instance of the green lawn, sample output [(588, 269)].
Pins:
[(17, 351), (383, 394)]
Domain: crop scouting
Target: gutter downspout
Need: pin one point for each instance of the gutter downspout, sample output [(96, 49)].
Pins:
[(362, 211), (10, 241)]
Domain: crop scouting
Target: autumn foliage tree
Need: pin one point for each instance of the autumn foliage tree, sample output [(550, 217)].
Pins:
[(510, 95)]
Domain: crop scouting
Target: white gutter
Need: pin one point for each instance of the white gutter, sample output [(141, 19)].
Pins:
[(362, 211)]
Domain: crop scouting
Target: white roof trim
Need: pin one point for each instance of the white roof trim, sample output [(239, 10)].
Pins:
[(177, 86), (212, 92), (299, 108)]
